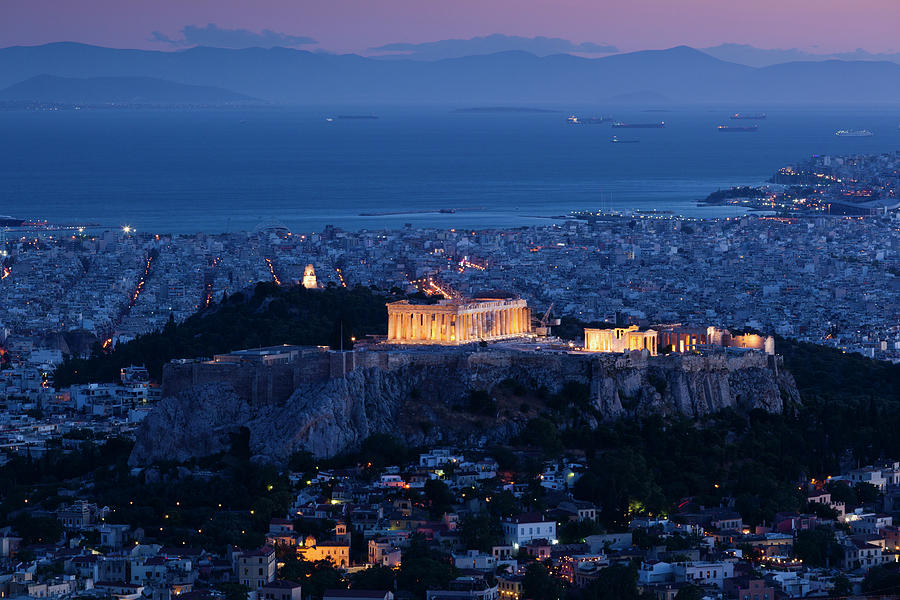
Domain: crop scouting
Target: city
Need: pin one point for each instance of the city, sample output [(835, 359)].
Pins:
[(476, 300)]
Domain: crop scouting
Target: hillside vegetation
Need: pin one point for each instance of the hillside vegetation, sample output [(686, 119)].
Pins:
[(267, 315)]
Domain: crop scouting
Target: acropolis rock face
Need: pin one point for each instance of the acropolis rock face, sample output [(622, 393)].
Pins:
[(420, 396)]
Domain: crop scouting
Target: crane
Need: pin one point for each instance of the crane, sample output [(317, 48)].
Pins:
[(545, 323)]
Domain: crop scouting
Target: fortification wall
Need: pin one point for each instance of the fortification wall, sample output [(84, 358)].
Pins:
[(330, 402)]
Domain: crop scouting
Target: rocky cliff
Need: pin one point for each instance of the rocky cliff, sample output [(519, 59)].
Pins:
[(420, 395)]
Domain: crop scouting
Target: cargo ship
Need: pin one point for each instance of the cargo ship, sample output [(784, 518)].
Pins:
[(617, 140), (621, 125), (853, 133), (753, 116), (575, 120), (733, 128)]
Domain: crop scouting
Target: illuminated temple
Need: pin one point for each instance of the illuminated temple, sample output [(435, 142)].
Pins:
[(672, 338), (455, 322), (620, 339)]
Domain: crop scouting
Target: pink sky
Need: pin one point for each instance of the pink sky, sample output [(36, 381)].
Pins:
[(354, 25)]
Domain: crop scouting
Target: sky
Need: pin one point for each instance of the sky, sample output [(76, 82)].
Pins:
[(357, 25)]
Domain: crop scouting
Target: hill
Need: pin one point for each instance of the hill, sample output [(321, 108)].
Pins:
[(119, 90), (283, 75), (848, 411), (267, 315)]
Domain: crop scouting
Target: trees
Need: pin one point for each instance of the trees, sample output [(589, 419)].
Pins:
[(884, 579), (543, 433), (480, 531), (690, 592), (842, 587), (234, 591), (817, 547), (272, 315), (842, 492), (618, 582), (316, 576), (421, 573), (480, 402), (37, 530), (439, 497), (538, 584), (373, 578), (867, 493)]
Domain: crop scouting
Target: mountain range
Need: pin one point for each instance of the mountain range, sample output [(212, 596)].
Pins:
[(679, 75), (752, 56)]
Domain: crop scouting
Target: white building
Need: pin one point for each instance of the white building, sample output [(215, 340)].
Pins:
[(526, 527), (704, 573), (473, 559)]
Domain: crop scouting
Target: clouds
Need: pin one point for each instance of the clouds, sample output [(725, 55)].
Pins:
[(215, 36), (497, 42)]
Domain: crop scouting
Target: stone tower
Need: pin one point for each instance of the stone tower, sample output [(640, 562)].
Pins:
[(309, 278)]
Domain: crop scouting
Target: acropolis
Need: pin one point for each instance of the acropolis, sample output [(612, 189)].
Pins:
[(671, 338), (456, 322), (620, 339)]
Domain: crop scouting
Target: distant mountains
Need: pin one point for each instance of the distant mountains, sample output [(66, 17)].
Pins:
[(118, 90), (678, 75), (761, 57), (490, 44)]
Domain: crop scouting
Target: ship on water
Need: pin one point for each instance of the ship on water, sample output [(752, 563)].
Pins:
[(853, 133), (621, 125), (576, 120), (748, 116), (617, 140), (728, 128)]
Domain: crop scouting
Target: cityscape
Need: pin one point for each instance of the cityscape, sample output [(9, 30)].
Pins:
[(337, 301)]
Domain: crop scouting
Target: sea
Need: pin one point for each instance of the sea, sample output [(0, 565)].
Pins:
[(187, 171)]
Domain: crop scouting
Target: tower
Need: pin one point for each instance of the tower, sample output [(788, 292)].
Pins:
[(309, 278)]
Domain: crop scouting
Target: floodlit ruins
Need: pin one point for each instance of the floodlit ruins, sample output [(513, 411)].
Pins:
[(620, 339), (455, 322), (672, 338)]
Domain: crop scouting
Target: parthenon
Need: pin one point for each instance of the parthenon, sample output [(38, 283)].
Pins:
[(455, 322)]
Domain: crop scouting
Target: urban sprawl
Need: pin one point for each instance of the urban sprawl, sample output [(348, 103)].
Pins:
[(434, 517)]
